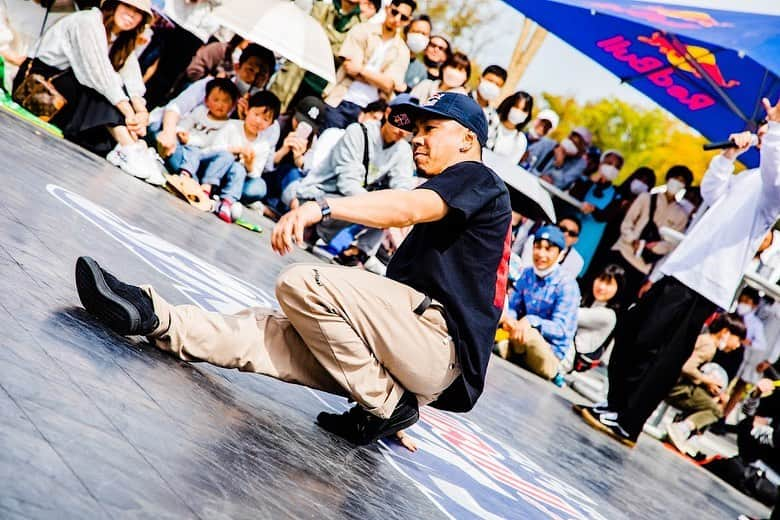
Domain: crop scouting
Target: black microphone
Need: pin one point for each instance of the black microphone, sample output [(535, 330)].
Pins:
[(723, 145)]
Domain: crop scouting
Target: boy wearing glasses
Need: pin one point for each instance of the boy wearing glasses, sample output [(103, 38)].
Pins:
[(375, 62)]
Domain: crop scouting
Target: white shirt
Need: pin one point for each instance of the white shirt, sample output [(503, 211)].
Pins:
[(232, 134), (716, 252), (756, 352), (78, 41), (509, 143), (362, 93), (201, 127)]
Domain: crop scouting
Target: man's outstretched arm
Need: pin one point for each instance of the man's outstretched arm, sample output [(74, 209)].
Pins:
[(379, 209)]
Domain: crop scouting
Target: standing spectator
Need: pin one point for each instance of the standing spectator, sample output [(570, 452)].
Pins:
[(640, 244), (192, 27), (538, 143), (698, 394), (102, 85), (597, 195), (346, 173), (570, 260), (292, 83), (565, 163), (455, 73), (542, 314), (487, 92), (508, 139), (703, 273), (375, 61), (641, 181), (417, 35)]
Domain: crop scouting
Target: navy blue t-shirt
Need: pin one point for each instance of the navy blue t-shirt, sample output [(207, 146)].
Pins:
[(462, 262)]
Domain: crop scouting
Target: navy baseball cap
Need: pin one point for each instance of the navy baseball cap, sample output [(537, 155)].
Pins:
[(444, 105), (552, 234)]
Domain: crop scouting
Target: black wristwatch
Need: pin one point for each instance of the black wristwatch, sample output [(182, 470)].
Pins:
[(324, 208)]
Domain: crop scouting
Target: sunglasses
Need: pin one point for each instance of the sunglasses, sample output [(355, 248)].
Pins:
[(395, 13), (442, 48), (569, 231)]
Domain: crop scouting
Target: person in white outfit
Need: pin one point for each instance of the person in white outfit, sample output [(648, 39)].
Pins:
[(89, 58), (656, 336)]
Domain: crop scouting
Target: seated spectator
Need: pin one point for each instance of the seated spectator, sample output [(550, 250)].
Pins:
[(699, 392), (565, 162), (597, 318), (417, 36), (252, 150), (508, 140), (292, 83), (103, 86), (570, 260), (196, 131), (216, 59), (597, 195), (642, 180), (289, 159), (349, 170), (455, 73), (758, 434), (541, 318), (640, 244), (252, 72), (487, 92), (538, 143), (375, 61)]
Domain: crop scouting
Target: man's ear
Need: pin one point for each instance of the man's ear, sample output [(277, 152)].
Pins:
[(469, 142)]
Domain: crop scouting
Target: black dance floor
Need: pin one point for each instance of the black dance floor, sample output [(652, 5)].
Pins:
[(96, 426)]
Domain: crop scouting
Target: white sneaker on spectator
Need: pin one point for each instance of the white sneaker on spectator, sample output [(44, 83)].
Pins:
[(373, 265), (132, 159), (157, 169), (679, 433)]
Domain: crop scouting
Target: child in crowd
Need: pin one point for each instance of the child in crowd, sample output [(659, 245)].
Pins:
[(197, 130), (250, 145)]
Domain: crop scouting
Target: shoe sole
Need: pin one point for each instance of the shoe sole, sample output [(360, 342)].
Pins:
[(100, 301), (673, 438), (596, 424)]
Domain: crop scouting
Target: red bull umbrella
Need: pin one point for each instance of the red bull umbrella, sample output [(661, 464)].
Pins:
[(709, 67)]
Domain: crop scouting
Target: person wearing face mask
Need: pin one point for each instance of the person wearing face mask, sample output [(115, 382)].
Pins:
[(417, 35), (570, 260), (539, 145), (508, 138), (699, 393), (454, 74), (541, 315), (597, 195), (640, 244), (565, 163), (487, 93)]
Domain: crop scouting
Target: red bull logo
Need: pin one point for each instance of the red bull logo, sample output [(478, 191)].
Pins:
[(661, 16), (691, 59)]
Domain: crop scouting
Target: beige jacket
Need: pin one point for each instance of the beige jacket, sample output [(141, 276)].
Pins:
[(667, 214), (703, 352), (359, 45)]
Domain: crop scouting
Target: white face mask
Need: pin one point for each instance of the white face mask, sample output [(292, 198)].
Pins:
[(243, 86), (488, 90), (609, 172), (674, 186), (637, 187), (453, 77), (516, 116), (546, 272), (723, 343), (417, 42), (532, 133), (743, 309), (569, 147)]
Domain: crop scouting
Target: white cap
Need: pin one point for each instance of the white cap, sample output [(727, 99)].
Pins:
[(551, 116)]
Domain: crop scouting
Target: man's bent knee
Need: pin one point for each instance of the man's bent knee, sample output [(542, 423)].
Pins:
[(295, 278)]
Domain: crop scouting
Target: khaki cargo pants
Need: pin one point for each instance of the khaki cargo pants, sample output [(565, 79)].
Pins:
[(341, 330), (534, 352), (696, 401)]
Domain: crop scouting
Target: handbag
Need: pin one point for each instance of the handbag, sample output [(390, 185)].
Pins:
[(37, 93)]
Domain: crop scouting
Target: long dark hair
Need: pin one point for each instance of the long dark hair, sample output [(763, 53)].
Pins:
[(126, 41), (611, 272)]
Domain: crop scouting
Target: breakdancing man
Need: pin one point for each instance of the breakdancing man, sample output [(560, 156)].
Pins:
[(421, 335), (657, 335)]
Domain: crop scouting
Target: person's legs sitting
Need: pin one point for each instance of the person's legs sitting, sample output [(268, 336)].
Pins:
[(254, 190), (536, 354)]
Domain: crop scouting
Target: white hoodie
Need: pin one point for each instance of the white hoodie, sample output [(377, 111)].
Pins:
[(717, 250)]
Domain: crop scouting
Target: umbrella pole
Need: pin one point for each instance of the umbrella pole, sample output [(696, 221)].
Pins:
[(525, 49)]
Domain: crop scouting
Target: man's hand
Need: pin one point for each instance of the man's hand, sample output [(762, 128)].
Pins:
[(560, 156), (166, 143), (588, 208), (289, 230), (765, 386), (135, 124), (243, 106), (711, 385), (772, 112), (743, 140), (763, 366), (352, 68), (183, 136)]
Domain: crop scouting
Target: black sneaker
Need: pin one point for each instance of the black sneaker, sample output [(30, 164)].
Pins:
[(360, 427), (125, 309), (607, 422)]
